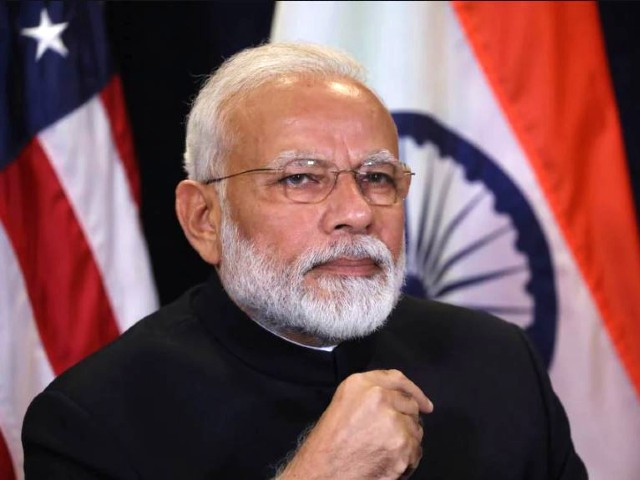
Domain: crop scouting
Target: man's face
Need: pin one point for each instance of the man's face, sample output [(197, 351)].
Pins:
[(332, 120)]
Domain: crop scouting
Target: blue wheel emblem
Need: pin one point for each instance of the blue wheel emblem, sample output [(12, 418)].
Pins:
[(472, 237)]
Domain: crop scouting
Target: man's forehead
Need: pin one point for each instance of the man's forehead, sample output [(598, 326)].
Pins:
[(347, 87), (295, 87), (331, 119)]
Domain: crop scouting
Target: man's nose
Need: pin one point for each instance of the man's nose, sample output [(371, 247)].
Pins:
[(346, 207)]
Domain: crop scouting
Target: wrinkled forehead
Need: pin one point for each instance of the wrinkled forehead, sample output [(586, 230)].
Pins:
[(294, 90), (333, 119)]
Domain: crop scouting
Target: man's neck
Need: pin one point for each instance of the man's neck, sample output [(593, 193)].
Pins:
[(305, 341), (298, 338)]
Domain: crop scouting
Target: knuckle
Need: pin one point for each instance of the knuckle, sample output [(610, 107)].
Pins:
[(353, 378), (400, 467), (404, 444), (399, 443), (391, 423), (377, 395), (352, 382), (395, 373)]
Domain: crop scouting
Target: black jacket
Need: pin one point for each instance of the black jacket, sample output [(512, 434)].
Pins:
[(198, 390)]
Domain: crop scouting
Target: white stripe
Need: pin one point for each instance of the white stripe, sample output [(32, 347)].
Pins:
[(419, 60), (24, 367), (83, 154)]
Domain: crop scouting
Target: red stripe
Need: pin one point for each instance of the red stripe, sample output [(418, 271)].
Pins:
[(547, 65), (69, 301), (113, 101), (6, 466)]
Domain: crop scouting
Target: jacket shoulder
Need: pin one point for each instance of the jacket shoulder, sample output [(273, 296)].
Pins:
[(142, 348), (432, 319)]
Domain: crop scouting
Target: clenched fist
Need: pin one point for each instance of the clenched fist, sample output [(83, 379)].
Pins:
[(370, 430)]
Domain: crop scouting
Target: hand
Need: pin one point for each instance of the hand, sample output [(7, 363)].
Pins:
[(370, 430)]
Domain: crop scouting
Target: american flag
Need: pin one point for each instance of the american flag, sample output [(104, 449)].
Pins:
[(74, 269)]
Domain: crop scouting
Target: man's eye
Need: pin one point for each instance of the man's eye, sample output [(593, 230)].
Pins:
[(298, 180), (378, 178)]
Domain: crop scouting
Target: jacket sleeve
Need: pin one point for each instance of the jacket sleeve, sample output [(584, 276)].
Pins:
[(62, 441), (563, 461)]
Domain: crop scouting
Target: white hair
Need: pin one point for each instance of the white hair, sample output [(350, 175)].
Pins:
[(275, 294), (208, 139)]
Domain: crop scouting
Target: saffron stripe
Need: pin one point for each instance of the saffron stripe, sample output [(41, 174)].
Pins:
[(112, 98), (561, 105), (69, 302)]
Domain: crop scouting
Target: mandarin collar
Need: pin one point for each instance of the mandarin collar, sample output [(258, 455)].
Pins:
[(270, 354)]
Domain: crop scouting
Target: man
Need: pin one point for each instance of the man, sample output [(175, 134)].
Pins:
[(300, 361)]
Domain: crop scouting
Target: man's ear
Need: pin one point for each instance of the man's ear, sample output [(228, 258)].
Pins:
[(198, 211)]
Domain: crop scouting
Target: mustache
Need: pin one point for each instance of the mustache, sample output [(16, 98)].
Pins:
[(356, 248)]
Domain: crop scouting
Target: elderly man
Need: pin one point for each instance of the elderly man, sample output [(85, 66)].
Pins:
[(300, 359)]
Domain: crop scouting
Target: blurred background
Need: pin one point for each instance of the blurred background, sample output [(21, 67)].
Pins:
[(163, 51)]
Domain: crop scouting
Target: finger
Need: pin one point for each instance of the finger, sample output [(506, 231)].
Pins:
[(415, 455), (400, 382), (413, 427), (396, 380), (407, 473), (408, 428), (408, 456), (404, 403)]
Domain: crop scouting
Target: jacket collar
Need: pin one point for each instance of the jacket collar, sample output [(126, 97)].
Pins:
[(268, 353)]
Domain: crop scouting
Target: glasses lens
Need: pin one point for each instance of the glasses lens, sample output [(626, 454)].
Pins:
[(306, 181), (403, 181), (381, 183)]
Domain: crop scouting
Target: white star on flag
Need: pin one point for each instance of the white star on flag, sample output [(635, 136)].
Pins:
[(48, 35)]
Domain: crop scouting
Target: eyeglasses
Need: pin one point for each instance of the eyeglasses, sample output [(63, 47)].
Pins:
[(311, 181)]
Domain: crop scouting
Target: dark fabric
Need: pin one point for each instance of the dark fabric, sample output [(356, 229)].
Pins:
[(198, 390)]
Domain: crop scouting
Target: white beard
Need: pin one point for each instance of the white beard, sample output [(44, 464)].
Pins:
[(336, 309)]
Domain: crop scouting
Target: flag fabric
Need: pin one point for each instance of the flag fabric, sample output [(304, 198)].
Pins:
[(74, 270), (521, 204)]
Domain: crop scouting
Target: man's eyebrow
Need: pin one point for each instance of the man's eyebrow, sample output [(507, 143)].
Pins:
[(380, 156), (287, 156), (377, 156)]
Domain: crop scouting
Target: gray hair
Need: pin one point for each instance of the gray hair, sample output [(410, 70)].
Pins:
[(208, 139)]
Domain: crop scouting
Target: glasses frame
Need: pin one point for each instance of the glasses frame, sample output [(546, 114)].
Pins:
[(405, 170)]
